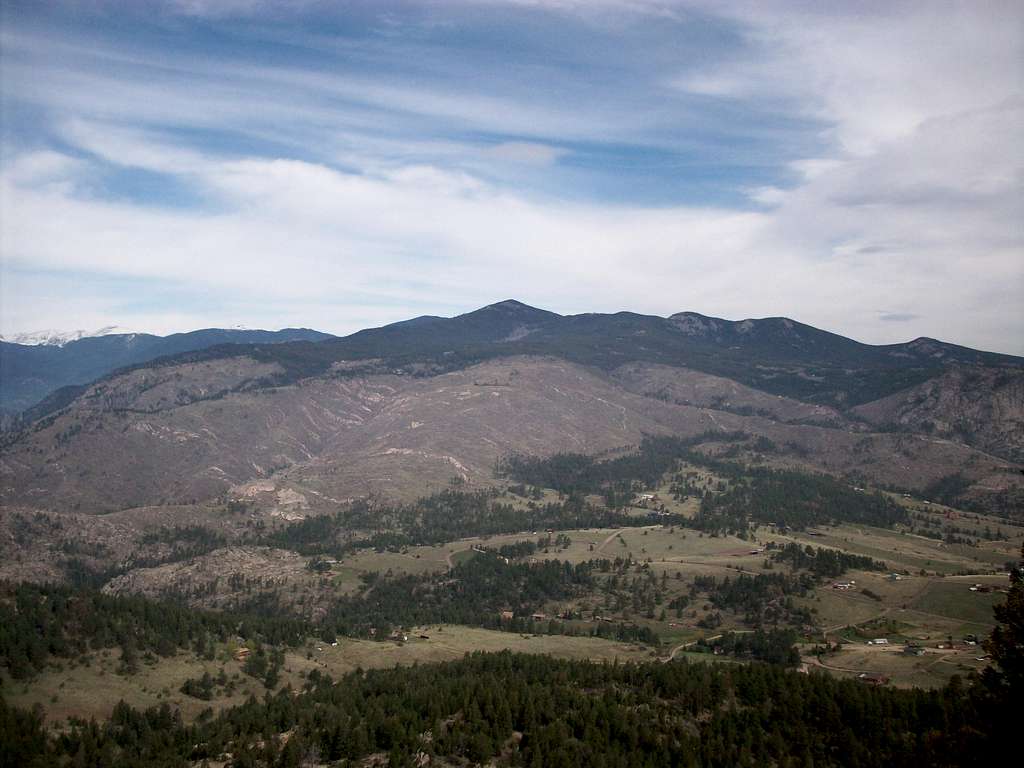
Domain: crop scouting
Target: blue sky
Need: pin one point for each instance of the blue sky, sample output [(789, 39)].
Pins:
[(174, 165)]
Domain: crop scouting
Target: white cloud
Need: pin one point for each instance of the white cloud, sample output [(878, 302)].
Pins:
[(910, 202), (301, 235), (529, 153)]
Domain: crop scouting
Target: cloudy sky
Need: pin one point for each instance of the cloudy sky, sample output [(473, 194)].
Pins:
[(174, 165)]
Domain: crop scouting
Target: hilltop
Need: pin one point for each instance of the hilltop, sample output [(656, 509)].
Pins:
[(395, 410)]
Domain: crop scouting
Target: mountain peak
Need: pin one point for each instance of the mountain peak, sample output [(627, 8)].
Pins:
[(510, 310), (513, 306), (694, 324)]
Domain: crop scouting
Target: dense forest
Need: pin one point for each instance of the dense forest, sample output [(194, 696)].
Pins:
[(488, 590), (537, 711), (823, 562), (40, 622), (580, 473), (791, 499), (774, 646), (441, 517), (763, 599), (759, 495)]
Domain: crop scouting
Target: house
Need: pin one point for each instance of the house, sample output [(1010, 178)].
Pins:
[(242, 654), (864, 677), (539, 617), (506, 615)]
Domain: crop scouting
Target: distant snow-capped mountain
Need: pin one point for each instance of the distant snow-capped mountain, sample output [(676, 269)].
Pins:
[(33, 365), (54, 338)]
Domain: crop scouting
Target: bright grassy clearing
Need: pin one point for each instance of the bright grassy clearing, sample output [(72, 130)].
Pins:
[(93, 690), (953, 599), (932, 670), (900, 550)]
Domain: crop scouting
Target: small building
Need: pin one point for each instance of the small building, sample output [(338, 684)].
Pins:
[(864, 677), (242, 654), (506, 615), (879, 641)]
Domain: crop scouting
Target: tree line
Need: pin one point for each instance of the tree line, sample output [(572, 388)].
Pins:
[(824, 563), (523, 710), (41, 622)]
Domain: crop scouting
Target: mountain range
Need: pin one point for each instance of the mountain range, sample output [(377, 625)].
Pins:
[(398, 410), (55, 338), (34, 365)]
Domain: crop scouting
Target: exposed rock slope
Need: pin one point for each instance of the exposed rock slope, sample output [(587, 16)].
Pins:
[(194, 431)]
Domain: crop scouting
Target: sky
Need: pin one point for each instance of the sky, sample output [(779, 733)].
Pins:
[(166, 166)]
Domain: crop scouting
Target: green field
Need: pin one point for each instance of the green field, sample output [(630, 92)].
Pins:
[(92, 690), (954, 600)]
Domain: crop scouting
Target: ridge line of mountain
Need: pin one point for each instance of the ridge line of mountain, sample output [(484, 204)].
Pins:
[(775, 355)]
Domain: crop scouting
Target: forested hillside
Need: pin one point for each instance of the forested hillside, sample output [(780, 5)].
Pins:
[(535, 711)]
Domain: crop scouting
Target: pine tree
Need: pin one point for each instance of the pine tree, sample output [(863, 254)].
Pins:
[(1006, 644)]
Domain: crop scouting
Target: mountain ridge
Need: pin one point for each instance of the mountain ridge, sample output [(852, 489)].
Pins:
[(56, 338), (31, 373), (394, 409), (777, 354)]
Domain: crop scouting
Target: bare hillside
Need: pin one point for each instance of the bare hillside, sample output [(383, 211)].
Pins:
[(974, 405), (194, 431)]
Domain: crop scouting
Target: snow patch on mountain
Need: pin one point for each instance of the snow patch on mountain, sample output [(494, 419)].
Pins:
[(54, 338)]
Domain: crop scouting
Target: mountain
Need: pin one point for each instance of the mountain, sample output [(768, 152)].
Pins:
[(59, 338), (398, 410), (775, 355), (34, 366)]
